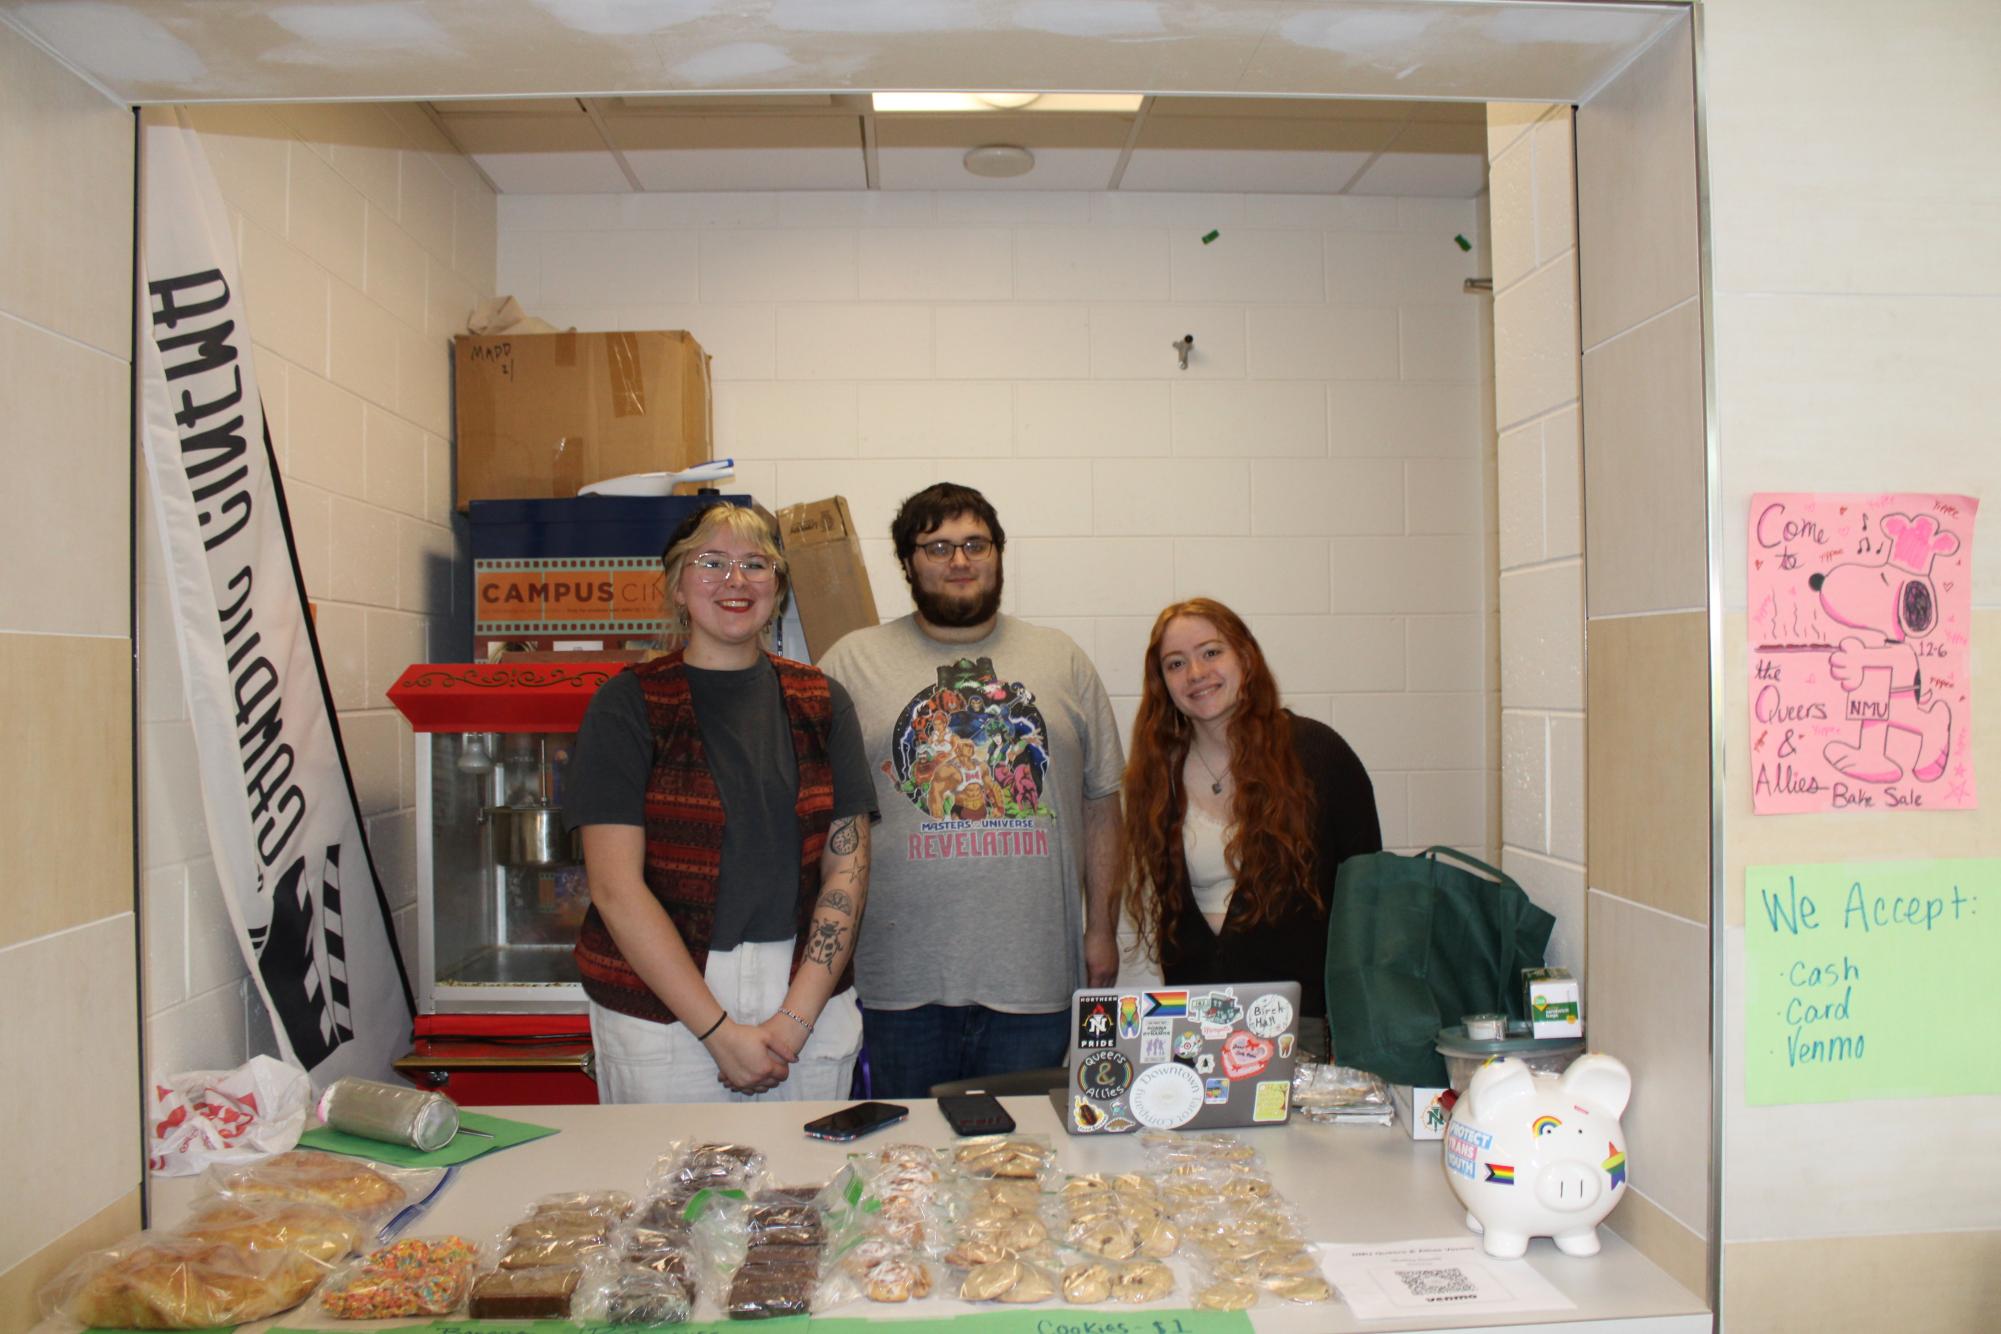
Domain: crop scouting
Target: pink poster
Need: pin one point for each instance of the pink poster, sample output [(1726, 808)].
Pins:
[(1861, 617)]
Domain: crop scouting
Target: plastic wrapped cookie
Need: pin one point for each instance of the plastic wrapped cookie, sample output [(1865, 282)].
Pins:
[(1106, 1238), (1227, 1295), (1145, 1281), (1088, 1283), (1006, 1281), (1301, 1288)]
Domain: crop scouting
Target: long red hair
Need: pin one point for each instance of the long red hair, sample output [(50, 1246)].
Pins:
[(1270, 846)]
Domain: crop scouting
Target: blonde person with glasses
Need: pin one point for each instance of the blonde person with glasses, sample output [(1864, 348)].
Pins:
[(725, 804)]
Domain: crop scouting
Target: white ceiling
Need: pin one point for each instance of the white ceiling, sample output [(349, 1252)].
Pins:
[(604, 96), (838, 142)]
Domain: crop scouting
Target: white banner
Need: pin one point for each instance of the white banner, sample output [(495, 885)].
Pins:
[(282, 818)]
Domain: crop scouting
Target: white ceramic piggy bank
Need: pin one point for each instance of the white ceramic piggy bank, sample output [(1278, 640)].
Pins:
[(1534, 1155)]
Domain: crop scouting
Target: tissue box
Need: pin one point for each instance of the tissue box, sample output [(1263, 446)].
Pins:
[(1554, 1007), (1423, 1111)]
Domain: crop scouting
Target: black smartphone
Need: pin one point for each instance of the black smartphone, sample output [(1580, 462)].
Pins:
[(975, 1114), (856, 1121)]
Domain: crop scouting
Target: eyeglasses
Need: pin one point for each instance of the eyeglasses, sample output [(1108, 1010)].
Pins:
[(976, 549), (710, 568)]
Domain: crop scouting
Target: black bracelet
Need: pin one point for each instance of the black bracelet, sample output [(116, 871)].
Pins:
[(713, 1027)]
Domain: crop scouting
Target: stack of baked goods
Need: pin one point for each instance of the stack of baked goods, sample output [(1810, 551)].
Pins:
[(539, 1261), (1244, 1240), (260, 1243), (1120, 1229)]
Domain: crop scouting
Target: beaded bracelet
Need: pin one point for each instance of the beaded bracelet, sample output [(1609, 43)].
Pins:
[(797, 1020)]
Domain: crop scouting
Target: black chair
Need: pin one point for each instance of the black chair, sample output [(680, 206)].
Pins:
[(1014, 1082)]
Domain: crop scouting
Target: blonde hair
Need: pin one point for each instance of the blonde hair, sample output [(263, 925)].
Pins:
[(695, 535)]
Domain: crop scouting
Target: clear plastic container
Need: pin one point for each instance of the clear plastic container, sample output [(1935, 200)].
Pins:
[(1464, 1055)]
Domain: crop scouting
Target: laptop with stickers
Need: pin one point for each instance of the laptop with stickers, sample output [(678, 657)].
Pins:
[(1199, 1057)]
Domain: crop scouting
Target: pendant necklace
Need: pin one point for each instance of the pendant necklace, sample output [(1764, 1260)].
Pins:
[(1215, 783)]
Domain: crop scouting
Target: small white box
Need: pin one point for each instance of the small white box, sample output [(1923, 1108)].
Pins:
[(1555, 1009), (1423, 1111)]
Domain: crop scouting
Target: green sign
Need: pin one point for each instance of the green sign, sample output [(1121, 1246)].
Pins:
[(1026, 1320), (1869, 980)]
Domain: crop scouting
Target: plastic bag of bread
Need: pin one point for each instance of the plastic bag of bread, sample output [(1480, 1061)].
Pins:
[(372, 1192), (327, 1235), (410, 1276), (161, 1281)]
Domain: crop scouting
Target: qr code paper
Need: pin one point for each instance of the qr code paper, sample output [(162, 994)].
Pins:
[(1437, 1285), (1444, 1284)]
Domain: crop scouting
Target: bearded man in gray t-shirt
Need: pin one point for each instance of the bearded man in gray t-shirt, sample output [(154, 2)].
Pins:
[(996, 759)]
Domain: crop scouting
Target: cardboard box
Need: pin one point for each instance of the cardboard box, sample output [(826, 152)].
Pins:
[(540, 415), (1555, 1010), (1423, 1111), (829, 583)]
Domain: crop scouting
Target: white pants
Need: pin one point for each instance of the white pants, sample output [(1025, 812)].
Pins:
[(639, 1060)]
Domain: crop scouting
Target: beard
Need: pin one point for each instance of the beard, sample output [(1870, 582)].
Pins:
[(942, 609)]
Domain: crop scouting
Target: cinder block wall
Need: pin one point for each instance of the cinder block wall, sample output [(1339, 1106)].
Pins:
[(1318, 466), (68, 988)]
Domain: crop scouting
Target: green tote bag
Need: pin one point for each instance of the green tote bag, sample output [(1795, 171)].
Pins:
[(1414, 943)]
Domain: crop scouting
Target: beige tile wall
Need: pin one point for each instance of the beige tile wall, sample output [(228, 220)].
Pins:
[(1539, 501), (68, 988), (1645, 532), (1857, 324), (364, 241)]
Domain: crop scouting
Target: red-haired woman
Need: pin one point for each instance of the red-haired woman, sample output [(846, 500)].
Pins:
[(1237, 815)]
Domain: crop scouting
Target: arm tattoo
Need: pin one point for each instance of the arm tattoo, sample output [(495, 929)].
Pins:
[(825, 942), (844, 839), (838, 901)]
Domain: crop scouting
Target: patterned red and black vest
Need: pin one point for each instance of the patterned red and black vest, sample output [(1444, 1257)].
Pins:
[(684, 829)]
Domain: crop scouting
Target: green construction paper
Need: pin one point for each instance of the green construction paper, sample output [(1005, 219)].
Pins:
[(463, 1148), (1869, 980), (1036, 1320), (1046, 1320)]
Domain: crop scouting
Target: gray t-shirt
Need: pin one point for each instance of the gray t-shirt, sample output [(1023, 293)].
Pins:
[(748, 741), (983, 755)]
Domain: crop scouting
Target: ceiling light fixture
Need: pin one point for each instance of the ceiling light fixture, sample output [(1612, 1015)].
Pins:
[(999, 161), (1087, 103)]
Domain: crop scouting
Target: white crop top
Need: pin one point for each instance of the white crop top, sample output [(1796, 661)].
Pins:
[(1203, 840)]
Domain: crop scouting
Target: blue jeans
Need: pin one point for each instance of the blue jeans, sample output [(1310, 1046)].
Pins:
[(911, 1050)]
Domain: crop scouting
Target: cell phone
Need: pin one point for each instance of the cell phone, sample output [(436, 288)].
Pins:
[(856, 1121), (975, 1114)]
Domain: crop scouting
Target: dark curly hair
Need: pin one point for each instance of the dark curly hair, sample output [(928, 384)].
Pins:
[(934, 505)]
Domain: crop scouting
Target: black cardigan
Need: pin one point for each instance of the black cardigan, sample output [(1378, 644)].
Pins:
[(1293, 946)]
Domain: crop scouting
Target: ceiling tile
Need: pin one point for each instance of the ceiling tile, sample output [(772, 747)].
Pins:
[(525, 134), (553, 173), (734, 132), (1241, 171), (1235, 134), (680, 169), (945, 169), (1437, 175), (1283, 108), (1033, 132), (528, 106)]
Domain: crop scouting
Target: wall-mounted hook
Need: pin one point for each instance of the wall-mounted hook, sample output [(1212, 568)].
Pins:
[(1181, 346), (1477, 285)]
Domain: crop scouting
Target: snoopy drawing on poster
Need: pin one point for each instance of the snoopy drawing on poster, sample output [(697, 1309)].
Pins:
[(1860, 654), (1892, 601)]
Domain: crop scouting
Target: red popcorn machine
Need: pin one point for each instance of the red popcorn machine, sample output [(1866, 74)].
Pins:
[(500, 883)]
